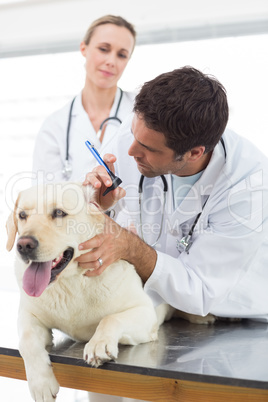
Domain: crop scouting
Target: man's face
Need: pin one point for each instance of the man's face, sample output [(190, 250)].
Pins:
[(151, 154)]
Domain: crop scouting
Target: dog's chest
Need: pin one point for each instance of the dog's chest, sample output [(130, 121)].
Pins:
[(77, 313)]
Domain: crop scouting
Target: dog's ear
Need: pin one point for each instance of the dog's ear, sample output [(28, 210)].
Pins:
[(93, 209), (12, 228), (92, 205), (89, 193)]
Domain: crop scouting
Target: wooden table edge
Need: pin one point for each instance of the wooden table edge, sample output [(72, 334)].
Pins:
[(136, 386)]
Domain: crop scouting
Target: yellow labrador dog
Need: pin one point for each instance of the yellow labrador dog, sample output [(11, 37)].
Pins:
[(51, 221)]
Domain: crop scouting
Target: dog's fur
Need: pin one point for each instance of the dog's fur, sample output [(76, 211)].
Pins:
[(103, 311)]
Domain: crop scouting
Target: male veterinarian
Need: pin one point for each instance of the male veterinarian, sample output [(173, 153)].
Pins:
[(197, 196)]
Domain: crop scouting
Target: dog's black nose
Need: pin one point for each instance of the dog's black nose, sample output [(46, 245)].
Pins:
[(26, 246)]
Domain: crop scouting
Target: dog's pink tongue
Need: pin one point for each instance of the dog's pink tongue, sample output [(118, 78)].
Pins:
[(36, 278)]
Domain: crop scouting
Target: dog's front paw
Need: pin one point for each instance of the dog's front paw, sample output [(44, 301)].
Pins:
[(43, 388), (97, 352)]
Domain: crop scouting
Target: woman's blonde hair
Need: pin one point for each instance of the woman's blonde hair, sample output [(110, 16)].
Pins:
[(109, 19)]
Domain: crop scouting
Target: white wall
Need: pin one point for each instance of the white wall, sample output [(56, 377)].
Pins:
[(46, 25)]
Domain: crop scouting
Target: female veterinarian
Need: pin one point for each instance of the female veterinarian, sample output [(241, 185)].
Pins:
[(96, 113), (197, 194)]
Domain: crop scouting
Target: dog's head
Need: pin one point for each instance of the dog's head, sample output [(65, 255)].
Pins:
[(51, 221)]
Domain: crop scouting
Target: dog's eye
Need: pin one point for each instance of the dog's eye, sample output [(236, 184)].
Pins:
[(22, 215), (58, 213)]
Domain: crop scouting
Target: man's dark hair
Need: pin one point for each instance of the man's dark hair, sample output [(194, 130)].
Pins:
[(188, 107)]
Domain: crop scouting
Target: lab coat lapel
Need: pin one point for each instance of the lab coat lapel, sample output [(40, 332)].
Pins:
[(195, 199), (83, 124)]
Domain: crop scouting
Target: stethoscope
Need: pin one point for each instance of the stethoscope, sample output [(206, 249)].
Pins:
[(186, 242), (67, 168)]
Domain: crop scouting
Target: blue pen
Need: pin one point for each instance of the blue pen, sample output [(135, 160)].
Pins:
[(116, 181)]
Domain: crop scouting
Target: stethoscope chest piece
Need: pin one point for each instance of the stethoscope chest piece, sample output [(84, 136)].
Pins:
[(184, 244), (67, 169)]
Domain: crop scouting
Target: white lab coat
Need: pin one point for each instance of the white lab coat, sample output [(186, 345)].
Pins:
[(226, 270), (50, 147)]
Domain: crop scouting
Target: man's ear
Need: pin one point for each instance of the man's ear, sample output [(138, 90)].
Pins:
[(196, 153), (12, 228)]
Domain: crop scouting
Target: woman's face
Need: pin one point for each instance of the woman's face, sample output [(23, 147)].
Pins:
[(107, 54)]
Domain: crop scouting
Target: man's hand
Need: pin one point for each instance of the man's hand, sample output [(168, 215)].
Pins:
[(113, 244), (109, 246), (100, 180)]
